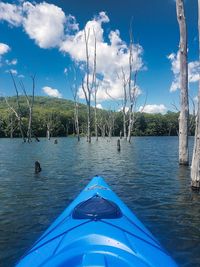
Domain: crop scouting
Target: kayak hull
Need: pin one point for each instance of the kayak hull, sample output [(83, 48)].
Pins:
[(97, 229)]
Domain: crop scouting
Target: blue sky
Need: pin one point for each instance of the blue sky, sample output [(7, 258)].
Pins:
[(41, 37)]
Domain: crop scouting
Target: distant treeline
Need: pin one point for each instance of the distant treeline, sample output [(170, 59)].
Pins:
[(58, 115)]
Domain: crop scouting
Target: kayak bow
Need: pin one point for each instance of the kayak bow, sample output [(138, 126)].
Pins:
[(97, 229)]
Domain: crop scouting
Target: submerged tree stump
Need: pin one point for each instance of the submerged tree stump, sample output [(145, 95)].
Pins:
[(37, 167), (118, 145)]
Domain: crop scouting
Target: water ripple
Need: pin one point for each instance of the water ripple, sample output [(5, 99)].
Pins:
[(145, 174)]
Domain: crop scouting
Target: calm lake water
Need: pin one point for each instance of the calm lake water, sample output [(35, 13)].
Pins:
[(145, 174)]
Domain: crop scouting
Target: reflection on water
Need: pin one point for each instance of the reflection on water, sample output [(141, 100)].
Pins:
[(145, 174)]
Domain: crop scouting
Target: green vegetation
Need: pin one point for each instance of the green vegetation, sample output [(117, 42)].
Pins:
[(59, 114)]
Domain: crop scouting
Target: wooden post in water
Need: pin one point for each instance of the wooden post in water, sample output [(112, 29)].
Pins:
[(37, 167), (118, 145), (120, 134)]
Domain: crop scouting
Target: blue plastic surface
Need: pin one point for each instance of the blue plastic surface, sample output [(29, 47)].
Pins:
[(122, 241)]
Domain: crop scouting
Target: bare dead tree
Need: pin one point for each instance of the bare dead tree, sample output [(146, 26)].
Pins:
[(18, 117), (89, 85), (123, 78), (110, 123), (12, 126), (184, 112), (74, 89), (102, 126), (95, 111), (192, 117), (76, 116), (48, 134), (17, 112), (132, 88), (49, 125), (124, 104), (195, 167), (30, 103)]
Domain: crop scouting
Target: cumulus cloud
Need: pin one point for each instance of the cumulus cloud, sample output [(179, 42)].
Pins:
[(4, 48), (51, 92), (71, 24), (193, 71), (114, 52), (11, 13), (50, 27), (44, 23), (153, 109)]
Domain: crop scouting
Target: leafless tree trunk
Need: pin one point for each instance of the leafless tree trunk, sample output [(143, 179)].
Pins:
[(110, 121), (18, 116), (18, 111), (95, 111), (50, 125), (11, 125), (132, 98), (184, 113), (48, 131), (76, 120), (195, 168), (132, 88), (88, 86), (103, 131), (74, 90), (102, 126), (192, 117), (30, 103), (125, 81)]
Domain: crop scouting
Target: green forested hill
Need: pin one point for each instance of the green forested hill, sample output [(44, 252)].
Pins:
[(59, 113)]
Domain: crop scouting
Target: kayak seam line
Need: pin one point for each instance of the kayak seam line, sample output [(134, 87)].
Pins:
[(41, 238), (48, 241), (58, 245), (45, 235), (153, 239), (124, 230)]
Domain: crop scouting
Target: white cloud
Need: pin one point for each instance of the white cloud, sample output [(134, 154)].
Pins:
[(44, 23), (99, 106), (126, 109), (51, 92), (193, 71), (13, 71), (153, 109), (21, 76), (11, 62), (11, 13), (49, 27), (111, 56), (71, 24), (4, 48), (65, 71)]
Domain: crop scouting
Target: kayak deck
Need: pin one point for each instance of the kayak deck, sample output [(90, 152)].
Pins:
[(97, 229)]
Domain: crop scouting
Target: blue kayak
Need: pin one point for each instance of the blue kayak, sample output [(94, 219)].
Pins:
[(97, 229)]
